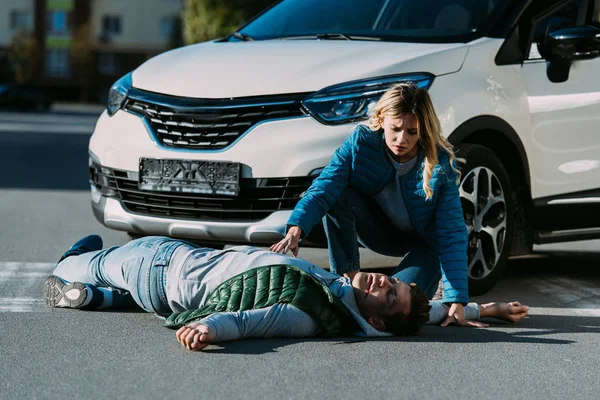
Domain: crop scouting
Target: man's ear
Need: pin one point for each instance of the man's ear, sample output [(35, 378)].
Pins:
[(376, 323)]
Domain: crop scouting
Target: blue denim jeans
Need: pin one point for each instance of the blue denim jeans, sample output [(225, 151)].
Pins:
[(357, 219), (139, 267)]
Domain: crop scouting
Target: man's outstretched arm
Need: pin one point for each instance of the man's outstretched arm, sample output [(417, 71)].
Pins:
[(511, 312), (279, 320)]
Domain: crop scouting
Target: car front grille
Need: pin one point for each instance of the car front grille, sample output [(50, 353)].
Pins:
[(257, 198), (208, 124)]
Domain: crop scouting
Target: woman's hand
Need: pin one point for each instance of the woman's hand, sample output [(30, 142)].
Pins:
[(289, 242), (456, 315), (195, 336)]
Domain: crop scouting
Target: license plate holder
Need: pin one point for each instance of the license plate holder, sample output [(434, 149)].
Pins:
[(189, 176)]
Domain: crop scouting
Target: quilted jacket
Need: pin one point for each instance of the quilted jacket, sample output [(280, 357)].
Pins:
[(266, 286), (361, 164)]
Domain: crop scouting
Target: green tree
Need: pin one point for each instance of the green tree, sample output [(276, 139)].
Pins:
[(82, 56), (210, 19), (24, 56)]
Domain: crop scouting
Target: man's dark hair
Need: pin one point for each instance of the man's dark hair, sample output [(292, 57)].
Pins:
[(401, 324)]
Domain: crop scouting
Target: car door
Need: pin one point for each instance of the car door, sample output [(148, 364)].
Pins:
[(565, 122)]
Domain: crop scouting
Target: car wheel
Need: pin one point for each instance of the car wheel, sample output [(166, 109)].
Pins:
[(485, 195)]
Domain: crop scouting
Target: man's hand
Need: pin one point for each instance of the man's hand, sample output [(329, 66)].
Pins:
[(456, 315), (289, 242), (351, 274), (195, 336)]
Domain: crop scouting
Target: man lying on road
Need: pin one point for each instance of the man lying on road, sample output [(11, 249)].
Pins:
[(244, 292)]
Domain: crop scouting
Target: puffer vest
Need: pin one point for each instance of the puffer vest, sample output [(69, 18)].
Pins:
[(275, 284)]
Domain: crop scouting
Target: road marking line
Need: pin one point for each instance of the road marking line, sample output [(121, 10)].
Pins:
[(30, 278), (22, 304), (24, 271), (5, 275), (565, 312), (18, 265)]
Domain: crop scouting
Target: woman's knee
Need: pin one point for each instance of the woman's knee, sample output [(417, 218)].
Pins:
[(426, 257), (422, 262), (348, 201)]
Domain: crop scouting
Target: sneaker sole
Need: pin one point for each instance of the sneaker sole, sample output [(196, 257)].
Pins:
[(60, 294)]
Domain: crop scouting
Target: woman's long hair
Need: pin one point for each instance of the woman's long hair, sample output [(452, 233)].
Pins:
[(409, 98)]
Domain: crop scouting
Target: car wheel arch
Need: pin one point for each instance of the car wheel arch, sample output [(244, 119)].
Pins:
[(495, 133), (498, 135)]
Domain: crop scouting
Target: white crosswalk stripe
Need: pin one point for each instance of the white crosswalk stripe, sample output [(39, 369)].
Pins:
[(558, 311), (22, 304), (21, 286)]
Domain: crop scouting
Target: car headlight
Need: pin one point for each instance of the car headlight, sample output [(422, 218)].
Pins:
[(353, 101), (118, 94)]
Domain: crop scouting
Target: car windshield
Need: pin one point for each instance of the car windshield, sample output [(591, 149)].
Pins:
[(387, 20)]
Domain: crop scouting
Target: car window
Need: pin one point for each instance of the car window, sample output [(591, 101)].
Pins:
[(544, 24), (330, 16), (393, 20), (596, 15)]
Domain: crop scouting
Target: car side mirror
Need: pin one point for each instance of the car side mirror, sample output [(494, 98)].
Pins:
[(576, 43), (568, 45)]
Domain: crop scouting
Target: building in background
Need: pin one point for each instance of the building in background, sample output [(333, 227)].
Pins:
[(85, 45)]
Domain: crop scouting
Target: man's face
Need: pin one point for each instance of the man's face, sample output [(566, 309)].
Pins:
[(378, 296)]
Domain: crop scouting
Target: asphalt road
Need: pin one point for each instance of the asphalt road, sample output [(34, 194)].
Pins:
[(55, 354)]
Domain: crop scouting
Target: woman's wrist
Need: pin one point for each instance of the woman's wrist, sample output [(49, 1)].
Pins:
[(295, 231)]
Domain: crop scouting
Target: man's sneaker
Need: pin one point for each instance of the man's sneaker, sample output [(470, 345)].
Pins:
[(70, 295), (84, 245)]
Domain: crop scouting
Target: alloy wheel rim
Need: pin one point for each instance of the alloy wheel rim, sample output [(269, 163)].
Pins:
[(484, 207)]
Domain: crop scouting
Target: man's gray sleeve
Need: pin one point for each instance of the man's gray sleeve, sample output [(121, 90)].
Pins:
[(279, 320), (439, 312)]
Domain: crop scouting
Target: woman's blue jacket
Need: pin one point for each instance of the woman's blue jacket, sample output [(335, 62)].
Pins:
[(361, 164)]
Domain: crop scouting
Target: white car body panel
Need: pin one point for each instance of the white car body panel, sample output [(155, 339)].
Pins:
[(293, 147), (303, 144), (564, 128), (287, 66)]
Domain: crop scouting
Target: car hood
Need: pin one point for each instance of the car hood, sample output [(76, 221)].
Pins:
[(239, 69)]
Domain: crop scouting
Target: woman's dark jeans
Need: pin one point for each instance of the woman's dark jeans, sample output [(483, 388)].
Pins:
[(357, 219)]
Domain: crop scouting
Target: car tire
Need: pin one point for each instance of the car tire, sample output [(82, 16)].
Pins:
[(486, 198)]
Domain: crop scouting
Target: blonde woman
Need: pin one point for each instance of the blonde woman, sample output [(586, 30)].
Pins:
[(393, 187)]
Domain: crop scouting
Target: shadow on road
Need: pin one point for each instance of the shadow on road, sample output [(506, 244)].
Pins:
[(535, 329), (555, 281), (44, 161), (568, 265)]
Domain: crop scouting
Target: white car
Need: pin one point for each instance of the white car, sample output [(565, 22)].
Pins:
[(217, 141)]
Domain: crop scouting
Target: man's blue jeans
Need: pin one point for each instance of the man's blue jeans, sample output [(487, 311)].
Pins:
[(357, 219), (139, 267)]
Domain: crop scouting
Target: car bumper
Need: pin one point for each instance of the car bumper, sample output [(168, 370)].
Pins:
[(110, 212), (278, 159)]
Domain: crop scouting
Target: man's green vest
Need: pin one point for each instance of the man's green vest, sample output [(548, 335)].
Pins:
[(276, 284)]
